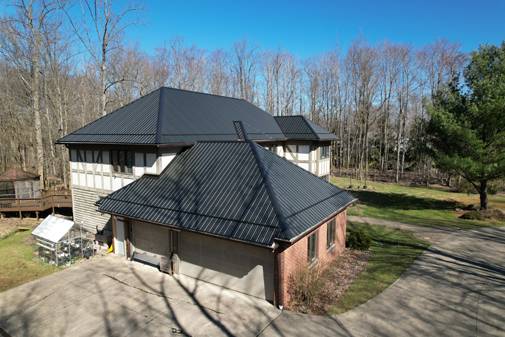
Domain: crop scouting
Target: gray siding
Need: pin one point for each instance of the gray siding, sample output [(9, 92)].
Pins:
[(85, 211)]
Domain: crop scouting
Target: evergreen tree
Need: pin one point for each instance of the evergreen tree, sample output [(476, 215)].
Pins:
[(466, 131)]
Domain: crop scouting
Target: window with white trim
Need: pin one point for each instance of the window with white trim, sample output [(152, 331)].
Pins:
[(330, 234), (325, 152), (312, 248), (122, 161)]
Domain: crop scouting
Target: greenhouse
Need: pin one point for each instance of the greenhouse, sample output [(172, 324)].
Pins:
[(60, 241)]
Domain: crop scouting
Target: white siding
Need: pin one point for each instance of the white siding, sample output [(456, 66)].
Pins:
[(304, 166), (107, 183), (280, 151), (166, 158), (88, 174)]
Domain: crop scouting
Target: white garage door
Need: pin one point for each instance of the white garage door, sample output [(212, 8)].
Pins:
[(151, 240), (233, 265)]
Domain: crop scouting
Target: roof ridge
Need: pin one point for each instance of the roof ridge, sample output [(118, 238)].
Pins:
[(202, 93), (288, 116), (310, 127), (106, 115), (268, 186), (161, 106)]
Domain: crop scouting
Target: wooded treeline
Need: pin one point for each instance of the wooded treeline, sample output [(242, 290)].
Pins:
[(63, 64)]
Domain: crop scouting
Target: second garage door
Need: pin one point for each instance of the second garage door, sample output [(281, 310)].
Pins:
[(233, 265)]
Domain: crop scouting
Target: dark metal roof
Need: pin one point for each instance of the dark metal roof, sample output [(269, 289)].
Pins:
[(300, 128), (235, 190), (168, 116)]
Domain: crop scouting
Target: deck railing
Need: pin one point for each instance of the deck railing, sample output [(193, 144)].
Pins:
[(48, 200)]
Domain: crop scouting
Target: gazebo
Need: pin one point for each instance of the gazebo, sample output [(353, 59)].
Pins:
[(18, 184)]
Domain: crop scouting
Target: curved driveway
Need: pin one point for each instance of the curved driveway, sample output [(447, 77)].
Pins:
[(456, 288)]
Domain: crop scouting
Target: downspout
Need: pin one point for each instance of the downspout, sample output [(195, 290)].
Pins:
[(277, 269)]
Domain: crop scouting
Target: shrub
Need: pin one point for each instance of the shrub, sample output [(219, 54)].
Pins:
[(488, 214), (357, 238), (472, 215), (306, 290)]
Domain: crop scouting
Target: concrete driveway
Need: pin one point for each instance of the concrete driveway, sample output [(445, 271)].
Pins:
[(456, 288), (109, 296)]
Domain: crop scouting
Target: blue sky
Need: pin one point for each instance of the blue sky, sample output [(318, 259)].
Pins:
[(308, 28)]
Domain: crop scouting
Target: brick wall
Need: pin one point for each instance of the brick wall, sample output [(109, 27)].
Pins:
[(295, 256)]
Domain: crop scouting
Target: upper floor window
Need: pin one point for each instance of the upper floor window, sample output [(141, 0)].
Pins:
[(325, 152), (122, 161), (330, 234), (312, 248)]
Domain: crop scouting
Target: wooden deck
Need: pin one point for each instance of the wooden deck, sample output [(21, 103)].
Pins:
[(48, 200)]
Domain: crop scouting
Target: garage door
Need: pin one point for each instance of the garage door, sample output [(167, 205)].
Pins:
[(232, 265), (150, 241)]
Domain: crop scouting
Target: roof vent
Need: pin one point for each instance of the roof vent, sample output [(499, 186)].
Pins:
[(240, 130)]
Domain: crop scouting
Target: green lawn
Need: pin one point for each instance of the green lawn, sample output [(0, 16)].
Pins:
[(392, 252), (417, 205), (18, 264)]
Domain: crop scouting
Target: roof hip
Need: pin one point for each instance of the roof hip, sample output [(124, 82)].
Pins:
[(268, 186)]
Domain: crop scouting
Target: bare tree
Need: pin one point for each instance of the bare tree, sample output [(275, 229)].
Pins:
[(218, 73), (21, 44), (101, 32), (244, 67)]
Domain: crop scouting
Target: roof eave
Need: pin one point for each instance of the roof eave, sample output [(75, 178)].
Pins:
[(310, 229), (188, 230)]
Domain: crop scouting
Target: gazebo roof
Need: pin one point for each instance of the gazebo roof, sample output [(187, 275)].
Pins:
[(17, 174)]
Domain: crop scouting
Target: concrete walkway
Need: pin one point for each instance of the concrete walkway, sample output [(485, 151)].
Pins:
[(456, 288)]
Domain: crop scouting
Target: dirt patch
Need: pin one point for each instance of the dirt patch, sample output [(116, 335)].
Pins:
[(487, 214), (10, 225), (342, 272)]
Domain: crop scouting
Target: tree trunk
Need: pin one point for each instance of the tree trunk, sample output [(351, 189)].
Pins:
[(483, 194), (36, 110)]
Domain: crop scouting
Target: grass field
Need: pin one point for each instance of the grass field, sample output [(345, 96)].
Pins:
[(18, 264), (392, 252), (423, 206)]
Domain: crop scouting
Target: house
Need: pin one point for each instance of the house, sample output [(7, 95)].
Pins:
[(210, 187), (233, 214), (20, 192), (147, 134), (18, 184)]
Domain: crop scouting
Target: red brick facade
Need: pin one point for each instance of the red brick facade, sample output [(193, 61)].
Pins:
[(296, 255)]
